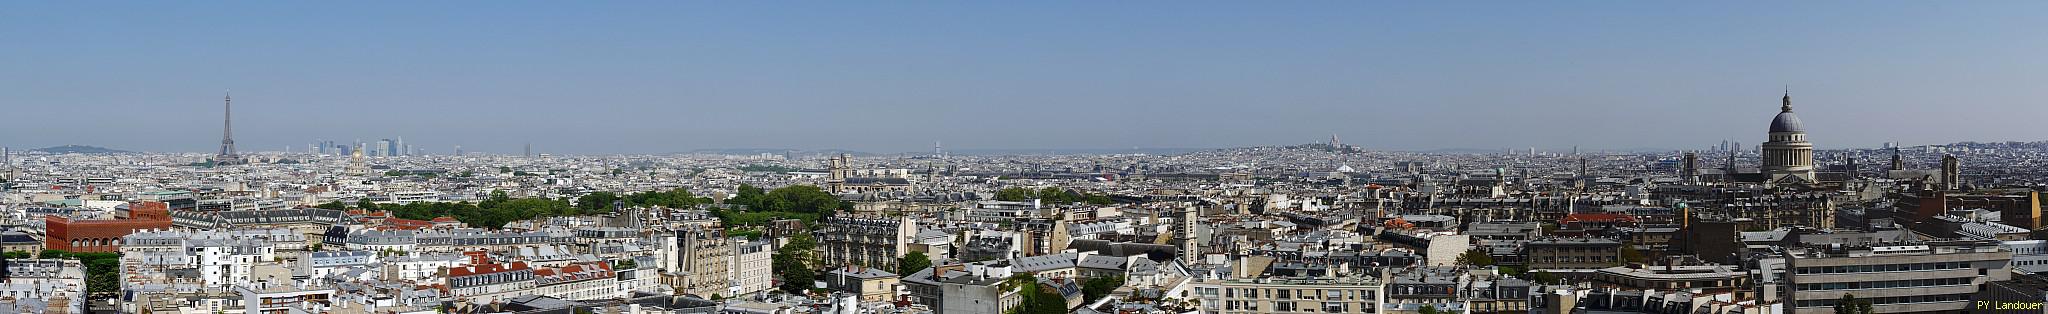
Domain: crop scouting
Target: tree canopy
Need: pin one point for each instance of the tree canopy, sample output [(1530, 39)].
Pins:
[(500, 208), (1038, 299), (913, 262), (1475, 257), (1850, 305), (1629, 254), (802, 202), (1098, 287), (792, 262), (102, 270)]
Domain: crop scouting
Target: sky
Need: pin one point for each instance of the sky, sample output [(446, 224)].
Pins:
[(668, 76)]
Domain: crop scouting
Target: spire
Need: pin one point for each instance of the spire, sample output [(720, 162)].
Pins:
[(1787, 99), (227, 121)]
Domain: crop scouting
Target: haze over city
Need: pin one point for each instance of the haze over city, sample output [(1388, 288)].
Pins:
[(1060, 157), (656, 77)]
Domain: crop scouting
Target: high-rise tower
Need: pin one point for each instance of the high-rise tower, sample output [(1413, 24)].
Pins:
[(227, 154), (1951, 173), (6, 168), (1787, 153), (1689, 168), (1898, 163)]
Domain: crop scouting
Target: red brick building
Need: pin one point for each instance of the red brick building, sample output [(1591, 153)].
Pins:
[(103, 235)]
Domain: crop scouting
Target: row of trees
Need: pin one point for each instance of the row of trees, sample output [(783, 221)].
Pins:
[(803, 202), (604, 201), (1052, 195), (499, 208), (755, 206), (493, 212), (795, 198)]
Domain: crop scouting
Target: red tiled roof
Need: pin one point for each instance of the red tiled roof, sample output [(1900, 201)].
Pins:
[(486, 269)]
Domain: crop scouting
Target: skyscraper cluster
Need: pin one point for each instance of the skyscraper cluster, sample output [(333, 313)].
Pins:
[(380, 148)]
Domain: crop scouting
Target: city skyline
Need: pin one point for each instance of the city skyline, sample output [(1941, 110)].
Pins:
[(1129, 157), (1410, 77)]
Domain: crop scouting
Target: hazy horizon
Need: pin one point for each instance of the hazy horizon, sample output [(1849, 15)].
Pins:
[(660, 77)]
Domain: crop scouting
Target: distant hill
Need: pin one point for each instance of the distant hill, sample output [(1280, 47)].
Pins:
[(80, 149), (777, 151), (1076, 151)]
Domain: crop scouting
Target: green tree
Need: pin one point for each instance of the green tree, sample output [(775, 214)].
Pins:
[(1098, 287), (365, 203), (15, 255), (1629, 254), (497, 197), (677, 198), (334, 205), (1015, 194), (596, 202), (792, 261), (1097, 199), (1427, 309), (1849, 304), (1037, 299), (748, 195), (1475, 257), (1543, 277), (1053, 195), (101, 269), (913, 262), (804, 199)]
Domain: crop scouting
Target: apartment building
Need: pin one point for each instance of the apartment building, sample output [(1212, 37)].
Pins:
[(1894, 278), (1348, 294)]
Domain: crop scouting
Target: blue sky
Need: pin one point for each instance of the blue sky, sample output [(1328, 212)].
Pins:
[(663, 76)]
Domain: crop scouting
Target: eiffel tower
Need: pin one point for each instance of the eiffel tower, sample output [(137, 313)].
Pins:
[(227, 154)]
